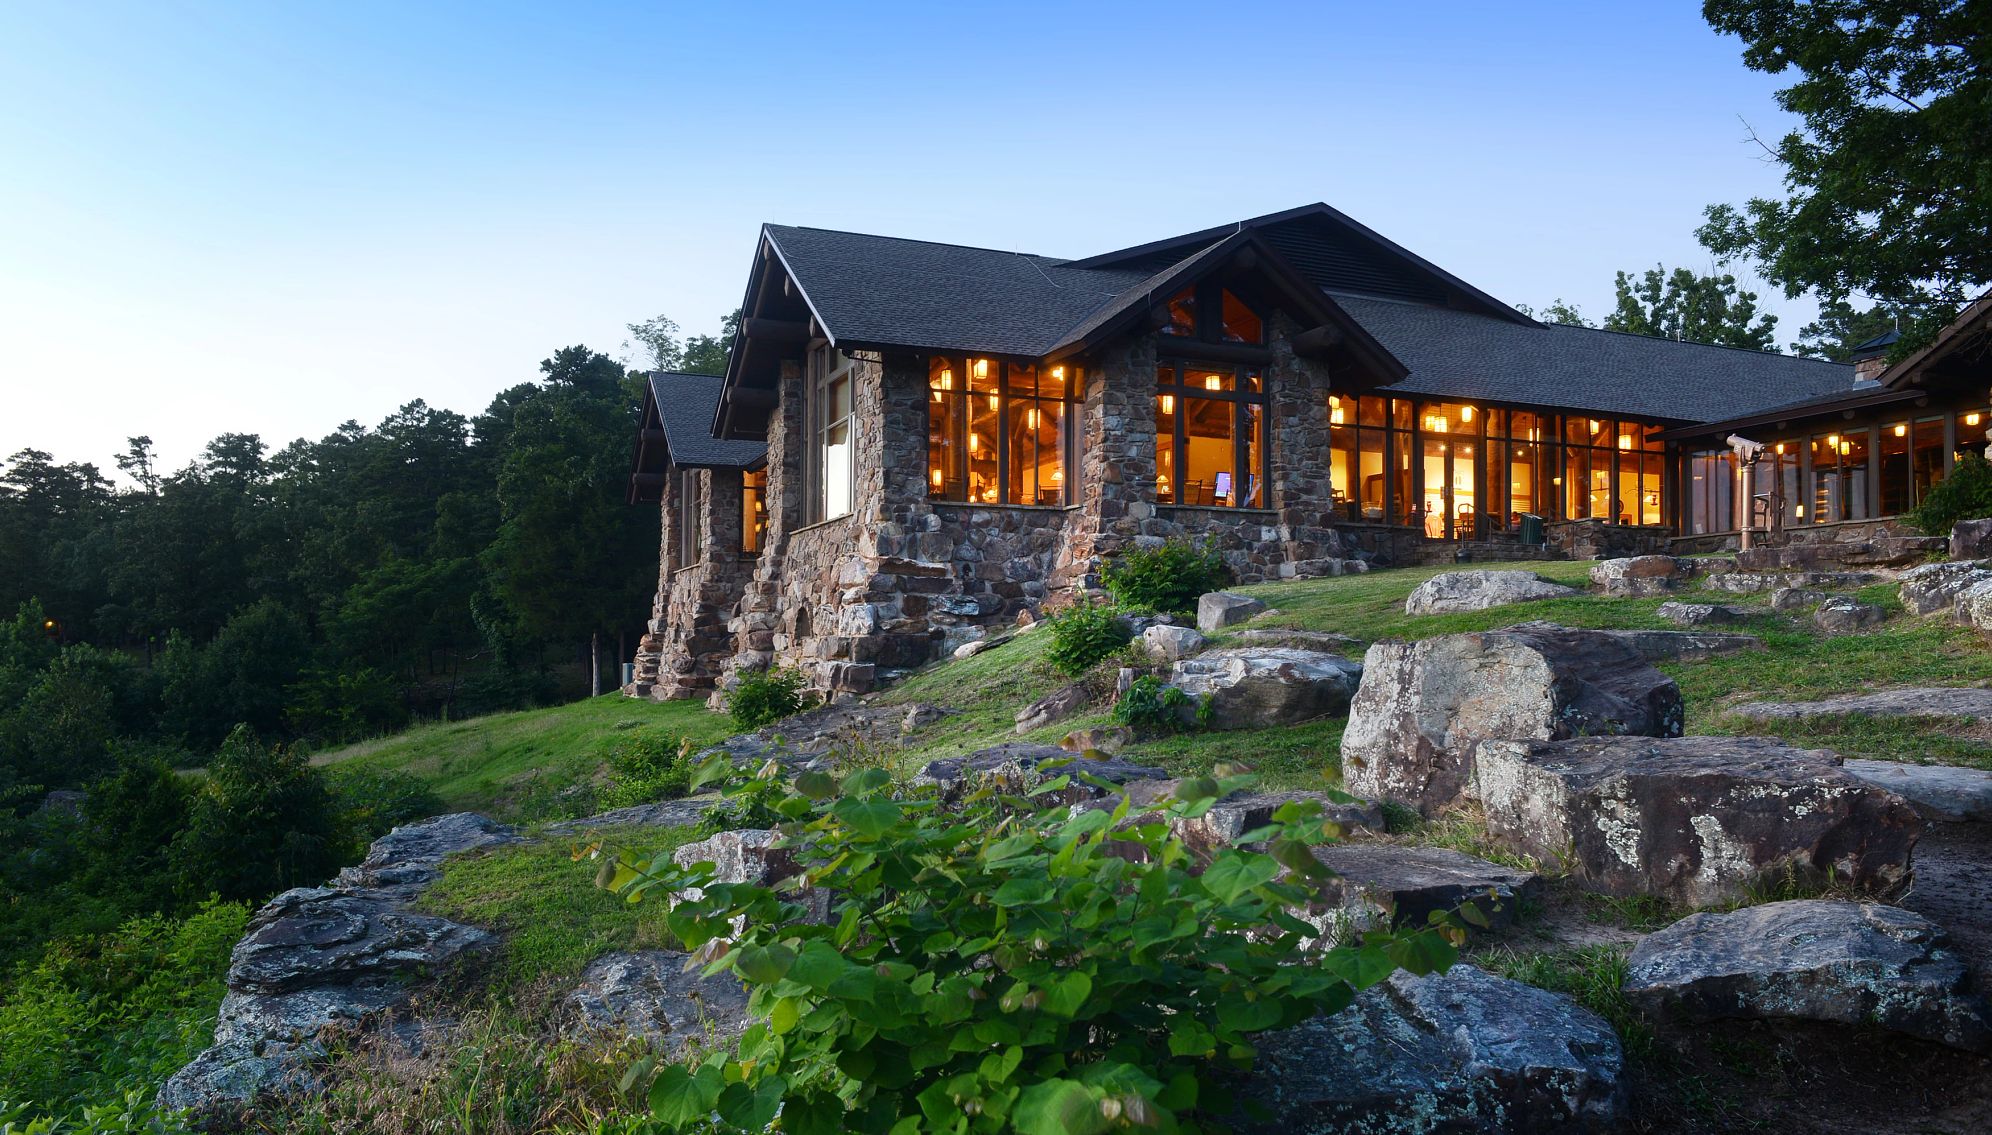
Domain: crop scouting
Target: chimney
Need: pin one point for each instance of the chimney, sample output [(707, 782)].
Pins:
[(1867, 371)]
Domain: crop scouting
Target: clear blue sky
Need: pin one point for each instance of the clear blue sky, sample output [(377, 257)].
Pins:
[(274, 217)]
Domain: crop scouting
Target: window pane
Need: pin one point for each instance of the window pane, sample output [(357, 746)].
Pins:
[(1928, 457), (753, 510), (1895, 475), (1209, 380), (1625, 504), (1208, 473), (1370, 474), (984, 410), (1650, 465), (837, 470), (1465, 514), (1972, 431), (1371, 410), (1251, 491), (1432, 504), (1494, 503), (1525, 426), (1241, 323), (1037, 474), (1828, 494), (1523, 466), (1854, 475), (1182, 314), (1402, 411), (947, 465), (1166, 481), (1576, 475)]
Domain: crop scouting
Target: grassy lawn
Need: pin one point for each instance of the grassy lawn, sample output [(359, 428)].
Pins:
[(510, 765), (553, 917)]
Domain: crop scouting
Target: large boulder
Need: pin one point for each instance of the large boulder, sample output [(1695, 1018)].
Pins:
[(1641, 575), (1854, 963), (1252, 687), (652, 994), (1790, 599), (1930, 588), (1939, 792), (1454, 591), (1695, 820), (333, 958), (1220, 609), (1971, 539), (1841, 615), (1053, 707), (1384, 885), (1018, 767), (1244, 812), (1422, 707), (1700, 614), (1170, 643), (1461, 1051)]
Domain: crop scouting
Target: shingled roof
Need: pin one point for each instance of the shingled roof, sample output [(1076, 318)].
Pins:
[(1475, 358), (685, 404)]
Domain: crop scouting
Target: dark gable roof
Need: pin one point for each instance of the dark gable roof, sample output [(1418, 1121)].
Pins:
[(685, 404), (881, 291), (1458, 354)]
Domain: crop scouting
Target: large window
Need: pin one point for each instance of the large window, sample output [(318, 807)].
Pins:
[(827, 411), (1839, 489), (1235, 320), (998, 432), (1210, 427), (689, 545), (753, 510)]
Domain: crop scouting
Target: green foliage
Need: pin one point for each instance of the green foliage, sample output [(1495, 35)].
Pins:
[(764, 696), (1696, 308), (1003, 968), (133, 1114), (1841, 327), (1151, 706), (345, 704), (370, 802), (1084, 635), (648, 765), (1964, 495), (239, 678), (1594, 976), (261, 822), (1168, 577), (1886, 178), (96, 1017)]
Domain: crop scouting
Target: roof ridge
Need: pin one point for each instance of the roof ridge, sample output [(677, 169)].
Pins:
[(1055, 261)]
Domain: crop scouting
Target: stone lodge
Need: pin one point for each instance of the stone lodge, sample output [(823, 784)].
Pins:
[(916, 442)]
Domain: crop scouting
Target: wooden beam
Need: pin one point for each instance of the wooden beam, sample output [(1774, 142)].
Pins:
[(646, 480), (1192, 350), (1317, 340), (774, 330), (650, 435), (754, 397)]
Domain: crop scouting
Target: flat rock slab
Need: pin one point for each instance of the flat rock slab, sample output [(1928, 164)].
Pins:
[(649, 993), (818, 733), (1326, 641), (1055, 706), (1701, 614), (1695, 820), (1385, 885), (1930, 588), (1220, 609), (1816, 960), (1641, 575), (1940, 701), (1841, 615), (1461, 1051), (1939, 792), (1254, 687), (1018, 767), (1454, 591), (1423, 707), (682, 813), (1747, 582), (1665, 646)]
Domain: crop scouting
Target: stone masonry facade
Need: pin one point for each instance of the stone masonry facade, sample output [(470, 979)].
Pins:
[(903, 578), (687, 643)]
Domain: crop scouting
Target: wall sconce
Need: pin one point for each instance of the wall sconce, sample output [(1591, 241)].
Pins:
[(1031, 418), (1625, 442), (1466, 413), (935, 476), (975, 443), (1832, 440), (947, 378), (1594, 425), (1213, 382), (982, 368), (1058, 476), (1169, 403), (1902, 431), (995, 401), (1971, 419)]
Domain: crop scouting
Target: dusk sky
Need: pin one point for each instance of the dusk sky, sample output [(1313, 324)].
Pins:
[(271, 218)]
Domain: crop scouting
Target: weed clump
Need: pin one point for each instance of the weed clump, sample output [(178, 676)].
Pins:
[(1167, 577), (768, 695)]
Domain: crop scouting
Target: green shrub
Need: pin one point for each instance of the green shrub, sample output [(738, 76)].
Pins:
[(133, 1114), (1083, 635), (646, 766), (1168, 577), (1964, 495), (1006, 967), (767, 695), (372, 802), (262, 822), (1148, 704)]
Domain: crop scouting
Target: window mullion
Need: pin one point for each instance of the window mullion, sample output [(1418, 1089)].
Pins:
[(1003, 433)]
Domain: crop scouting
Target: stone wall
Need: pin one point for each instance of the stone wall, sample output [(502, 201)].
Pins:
[(687, 644), (1597, 540)]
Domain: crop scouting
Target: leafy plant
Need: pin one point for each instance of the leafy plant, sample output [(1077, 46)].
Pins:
[(1149, 704), (1964, 495), (767, 695), (261, 822), (1083, 635), (1167, 577), (133, 1114), (373, 801), (1006, 967), (646, 766)]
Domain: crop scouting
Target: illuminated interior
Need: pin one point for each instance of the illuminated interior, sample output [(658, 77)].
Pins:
[(999, 432)]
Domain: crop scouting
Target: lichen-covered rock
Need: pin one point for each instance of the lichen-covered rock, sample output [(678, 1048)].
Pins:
[(1841, 615), (1453, 591), (1384, 885), (1325, 641), (1055, 706), (751, 855), (1220, 609), (1459, 1052), (1971, 539), (1745, 582), (1700, 614), (1243, 812), (1018, 767), (1422, 707), (1252, 687), (1930, 588), (340, 956), (685, 812), (1928, 701), (1695, 820), (1855, 963), (1170, 643), (1789, 599), (1640, 575), (1939, 792), (651, 994)]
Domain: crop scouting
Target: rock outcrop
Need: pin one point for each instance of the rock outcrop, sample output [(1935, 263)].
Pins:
[(334, 957), (1170, 643), (1700, 614), (1018, 767), (1220, 609), (1460, 1051), (1971, 539), (1695, 820), (651, 994), (1422, 707), (1841, 615), (1454, 591), (1850, 963), (1928, 701), (1054, 707), (1252, 687), (1636, 576), (1384, 885), (1930, 588), (1940, 792), (1747, 582)]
